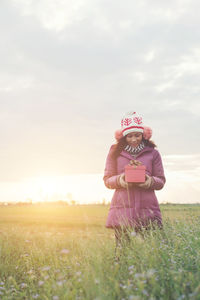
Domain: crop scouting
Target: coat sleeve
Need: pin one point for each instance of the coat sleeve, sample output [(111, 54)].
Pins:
[(158, 172), (110, 173)]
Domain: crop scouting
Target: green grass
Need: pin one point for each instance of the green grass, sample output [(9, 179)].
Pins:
[(65, 252)]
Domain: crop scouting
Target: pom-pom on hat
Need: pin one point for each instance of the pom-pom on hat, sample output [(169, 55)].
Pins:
[(131, 122), (147, 133)]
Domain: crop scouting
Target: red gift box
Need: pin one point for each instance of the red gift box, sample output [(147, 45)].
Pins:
[(135, 173)]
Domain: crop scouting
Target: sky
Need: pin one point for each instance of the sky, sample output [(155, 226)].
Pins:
[(71, 69)]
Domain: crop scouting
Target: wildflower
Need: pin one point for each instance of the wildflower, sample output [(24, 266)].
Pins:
[(13, 290), (145, 292), (40, 283), (97, 281), (57, 271), (132, 297), (55, 298), (35, 296), (181, 297), (64, 251), (2, 283), (150, 273), (59, 283), (60, 277), (138, 275), (47, 268), (24, 255), (122, 286), (23, 285), (131, 268), (133, 233), (27, 241), (78, 273), (46, 277)]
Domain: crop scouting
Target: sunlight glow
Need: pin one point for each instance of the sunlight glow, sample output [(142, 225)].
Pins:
[(182, 185), (71, 188)]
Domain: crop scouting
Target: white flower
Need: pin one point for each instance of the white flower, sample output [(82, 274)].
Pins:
[(97, 281), (57, 271), (138, 275), (40, 283), (55, 298), (47, 268), (133, 233), (35, 296), (181, 297), (24, 255), (64, 251), (150, 272), (23, 285), (145, 292)]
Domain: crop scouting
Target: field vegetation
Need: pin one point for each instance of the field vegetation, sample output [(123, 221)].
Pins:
[(57, 251)]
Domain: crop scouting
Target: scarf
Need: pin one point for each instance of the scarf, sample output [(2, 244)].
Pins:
[(135, 150)]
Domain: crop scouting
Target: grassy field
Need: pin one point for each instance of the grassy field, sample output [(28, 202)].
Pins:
[(65, 252)]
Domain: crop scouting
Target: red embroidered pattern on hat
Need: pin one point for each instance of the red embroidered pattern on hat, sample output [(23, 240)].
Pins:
[(138, 120), (127, 121)]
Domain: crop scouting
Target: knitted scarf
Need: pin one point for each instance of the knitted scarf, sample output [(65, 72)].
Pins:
[(136, 150)]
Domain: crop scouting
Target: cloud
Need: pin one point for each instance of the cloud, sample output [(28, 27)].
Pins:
[(186, 163), (53, 15), (183, 179), (70, 70)]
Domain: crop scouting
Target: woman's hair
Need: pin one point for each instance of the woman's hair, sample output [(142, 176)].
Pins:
[(121, 143)]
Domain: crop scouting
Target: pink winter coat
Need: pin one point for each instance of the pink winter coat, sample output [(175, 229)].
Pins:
[(134, 206)]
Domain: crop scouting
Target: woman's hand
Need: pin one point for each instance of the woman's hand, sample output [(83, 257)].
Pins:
[(147, 184), (122, 182)]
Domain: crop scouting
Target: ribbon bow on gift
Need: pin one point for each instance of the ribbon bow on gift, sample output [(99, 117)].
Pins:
[(134, 162)]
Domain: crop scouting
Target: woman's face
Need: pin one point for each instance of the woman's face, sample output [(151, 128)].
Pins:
[(134, 139)]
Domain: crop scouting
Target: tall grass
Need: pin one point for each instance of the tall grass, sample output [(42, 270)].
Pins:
[(40, 259)]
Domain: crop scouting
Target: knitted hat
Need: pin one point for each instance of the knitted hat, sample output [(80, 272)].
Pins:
[(131, 122)]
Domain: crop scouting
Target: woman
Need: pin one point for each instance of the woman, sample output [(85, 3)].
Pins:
[(134, 205)]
